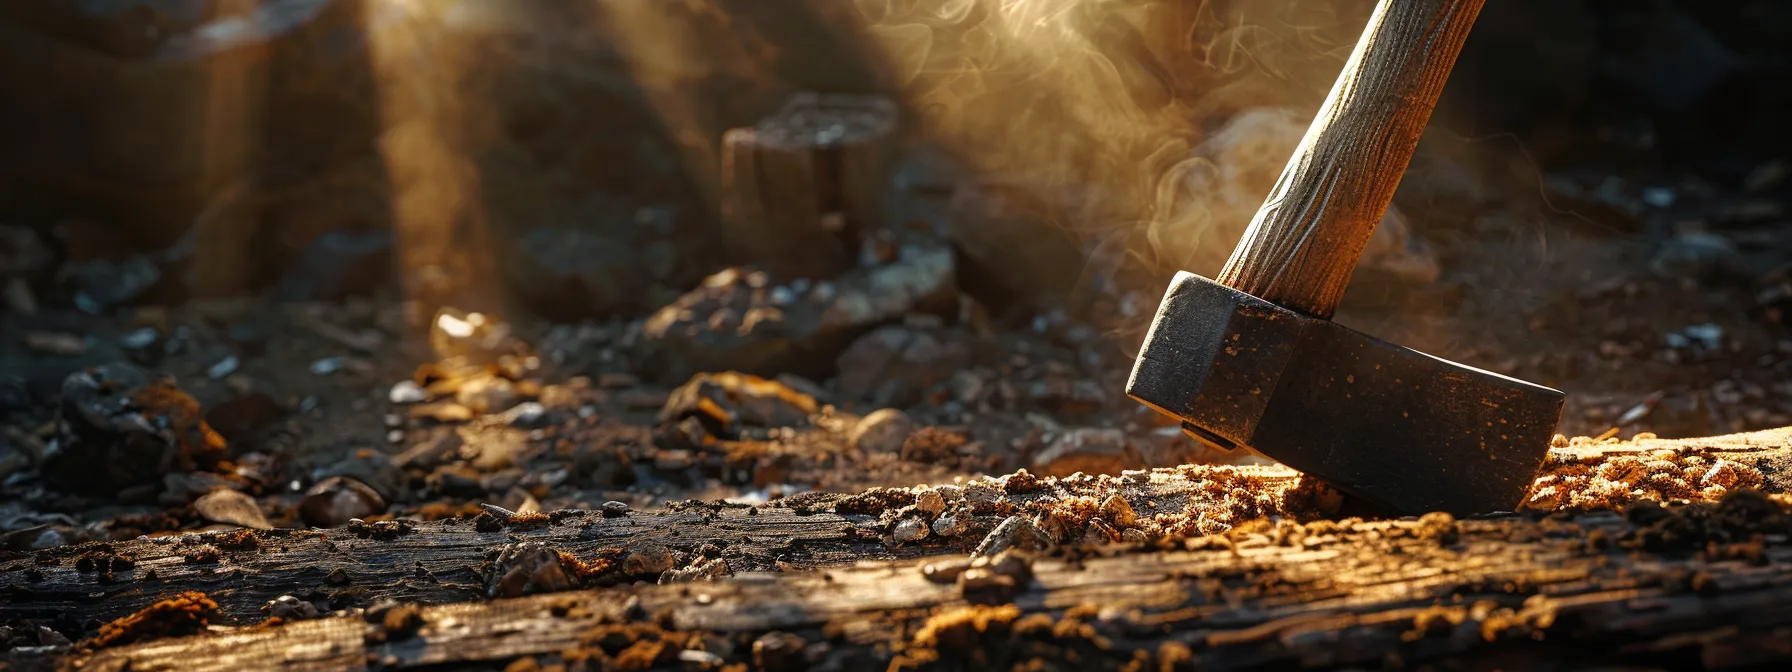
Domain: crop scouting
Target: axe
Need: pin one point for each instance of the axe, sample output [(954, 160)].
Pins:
[(1251, 359)]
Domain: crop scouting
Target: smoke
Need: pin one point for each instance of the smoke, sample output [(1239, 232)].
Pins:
[(1111, 109)]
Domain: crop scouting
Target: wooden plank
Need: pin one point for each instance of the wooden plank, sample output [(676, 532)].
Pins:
[(1532, 592)]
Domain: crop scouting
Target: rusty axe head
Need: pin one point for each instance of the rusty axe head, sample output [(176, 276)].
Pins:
[(1252, 360)]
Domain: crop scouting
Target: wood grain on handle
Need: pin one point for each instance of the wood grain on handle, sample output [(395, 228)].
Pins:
[(1304, 242)]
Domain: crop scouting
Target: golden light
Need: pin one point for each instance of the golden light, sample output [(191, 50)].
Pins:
[(442, 248)]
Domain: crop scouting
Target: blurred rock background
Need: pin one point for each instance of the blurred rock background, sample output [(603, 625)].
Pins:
[(560, 158)]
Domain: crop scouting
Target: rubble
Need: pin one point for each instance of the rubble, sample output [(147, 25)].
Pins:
[(729, 403), (882, 431), (892, 366), (232, 508), (738, 320), (528, 568), (336, 501), (1088, 450), (121, 428)]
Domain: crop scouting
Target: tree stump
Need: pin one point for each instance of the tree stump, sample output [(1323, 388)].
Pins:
[(801, 188)]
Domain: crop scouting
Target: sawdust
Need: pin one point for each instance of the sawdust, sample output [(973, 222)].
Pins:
[(181, 615), (1587, 474)]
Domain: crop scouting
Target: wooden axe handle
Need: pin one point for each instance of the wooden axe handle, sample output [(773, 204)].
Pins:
[(1304, 242)]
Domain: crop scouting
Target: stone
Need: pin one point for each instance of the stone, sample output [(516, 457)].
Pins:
[(909, 530), (121, 428), (407, 392), (289, 608), (442, 448), (100, 284), (334, 502), (916, 358), (929, 501), (464, 339), (729, 402), (951, 524), (883, 431), (647, 560), (232, 508), (1118, 511), (371, 467), (1090, 451), (731, 322), (487, 394), (528, 568), (1698, 256)]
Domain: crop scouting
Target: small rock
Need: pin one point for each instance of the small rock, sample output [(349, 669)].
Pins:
[(224, 368), (1014, 532), (910, 530), (727, 323), (883, 431), (614, 509), (1118, 512), (289, 608), (913, 358), (121, 428), (1088, 450), (100, 284), (779, 652), (703, 570), (338, 500), (327, 365), (951, 524), (527, 415), (487, 394), (726, 403), (407, 392), (1698, 256), (929, 501), (442, 411), (647, 561), (995, 578), (372, 468), (232, 508), (56, 344), (463, 339), (527, 568), (139, 338)]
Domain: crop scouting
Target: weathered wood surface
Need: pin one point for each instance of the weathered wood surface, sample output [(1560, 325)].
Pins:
[(1708, 584), (293, 562), (1559, 593), (441, 562), (1302, 246)]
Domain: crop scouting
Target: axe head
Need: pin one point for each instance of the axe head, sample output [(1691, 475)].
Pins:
[(1391, 425)]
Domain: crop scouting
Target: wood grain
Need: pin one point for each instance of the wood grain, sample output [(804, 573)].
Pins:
[(1303, 243), (1512, 593)]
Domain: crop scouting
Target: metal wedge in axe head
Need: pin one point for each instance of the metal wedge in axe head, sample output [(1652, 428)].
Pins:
[(1252, 359)]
